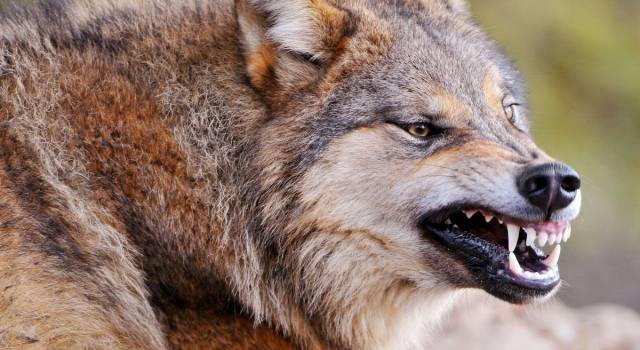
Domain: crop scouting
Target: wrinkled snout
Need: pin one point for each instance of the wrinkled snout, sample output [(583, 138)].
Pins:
[(549, 186)]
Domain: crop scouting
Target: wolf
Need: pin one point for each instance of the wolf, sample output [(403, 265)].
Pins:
[(264, 174)]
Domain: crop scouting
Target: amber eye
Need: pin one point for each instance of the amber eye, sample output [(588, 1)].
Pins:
[(418, 129)]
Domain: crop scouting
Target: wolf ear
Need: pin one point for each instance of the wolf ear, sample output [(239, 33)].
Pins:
[(287, 43)]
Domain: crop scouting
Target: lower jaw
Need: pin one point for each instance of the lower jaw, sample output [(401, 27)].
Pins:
[(517, 294)]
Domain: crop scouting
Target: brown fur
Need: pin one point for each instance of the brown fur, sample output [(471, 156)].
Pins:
[(199, 175)]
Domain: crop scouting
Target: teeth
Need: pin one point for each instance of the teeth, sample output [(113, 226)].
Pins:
[(542, 239), (552, 259), (469, 213), (567, 233), (514, 265), (513, 232), (552, 239), (536, 275), (531, 235), (447, 222), (487, 217)]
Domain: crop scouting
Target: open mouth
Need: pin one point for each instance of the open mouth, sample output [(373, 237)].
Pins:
[(505, 255)]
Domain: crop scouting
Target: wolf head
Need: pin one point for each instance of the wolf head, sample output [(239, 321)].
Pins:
[(396, 163)]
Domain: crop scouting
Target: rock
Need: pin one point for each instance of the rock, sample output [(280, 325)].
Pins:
[(483, 322)]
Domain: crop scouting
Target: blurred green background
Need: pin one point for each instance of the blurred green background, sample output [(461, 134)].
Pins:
[(581, 60), (582, 63)]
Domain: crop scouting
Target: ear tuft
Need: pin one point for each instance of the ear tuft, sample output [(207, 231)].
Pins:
[(275, 31), (310, 27)]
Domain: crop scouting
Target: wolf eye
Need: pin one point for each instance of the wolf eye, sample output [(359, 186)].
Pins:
[(418, 129), (510, 109)]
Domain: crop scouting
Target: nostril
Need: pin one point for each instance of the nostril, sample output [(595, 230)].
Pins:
[(570, 183), (536, 184)]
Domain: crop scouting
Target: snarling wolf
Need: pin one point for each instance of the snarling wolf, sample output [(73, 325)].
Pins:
[(263, 174)]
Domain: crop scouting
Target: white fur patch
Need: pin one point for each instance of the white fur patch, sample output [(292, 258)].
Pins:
[(405, 319), (294, 27)]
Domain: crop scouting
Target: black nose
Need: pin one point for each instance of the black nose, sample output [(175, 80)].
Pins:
[(549, 186)]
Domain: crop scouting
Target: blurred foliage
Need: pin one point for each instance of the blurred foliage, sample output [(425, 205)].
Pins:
[(581, 60), (582, 63)]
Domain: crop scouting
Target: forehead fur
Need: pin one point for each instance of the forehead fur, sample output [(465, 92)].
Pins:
[(431, 42)]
